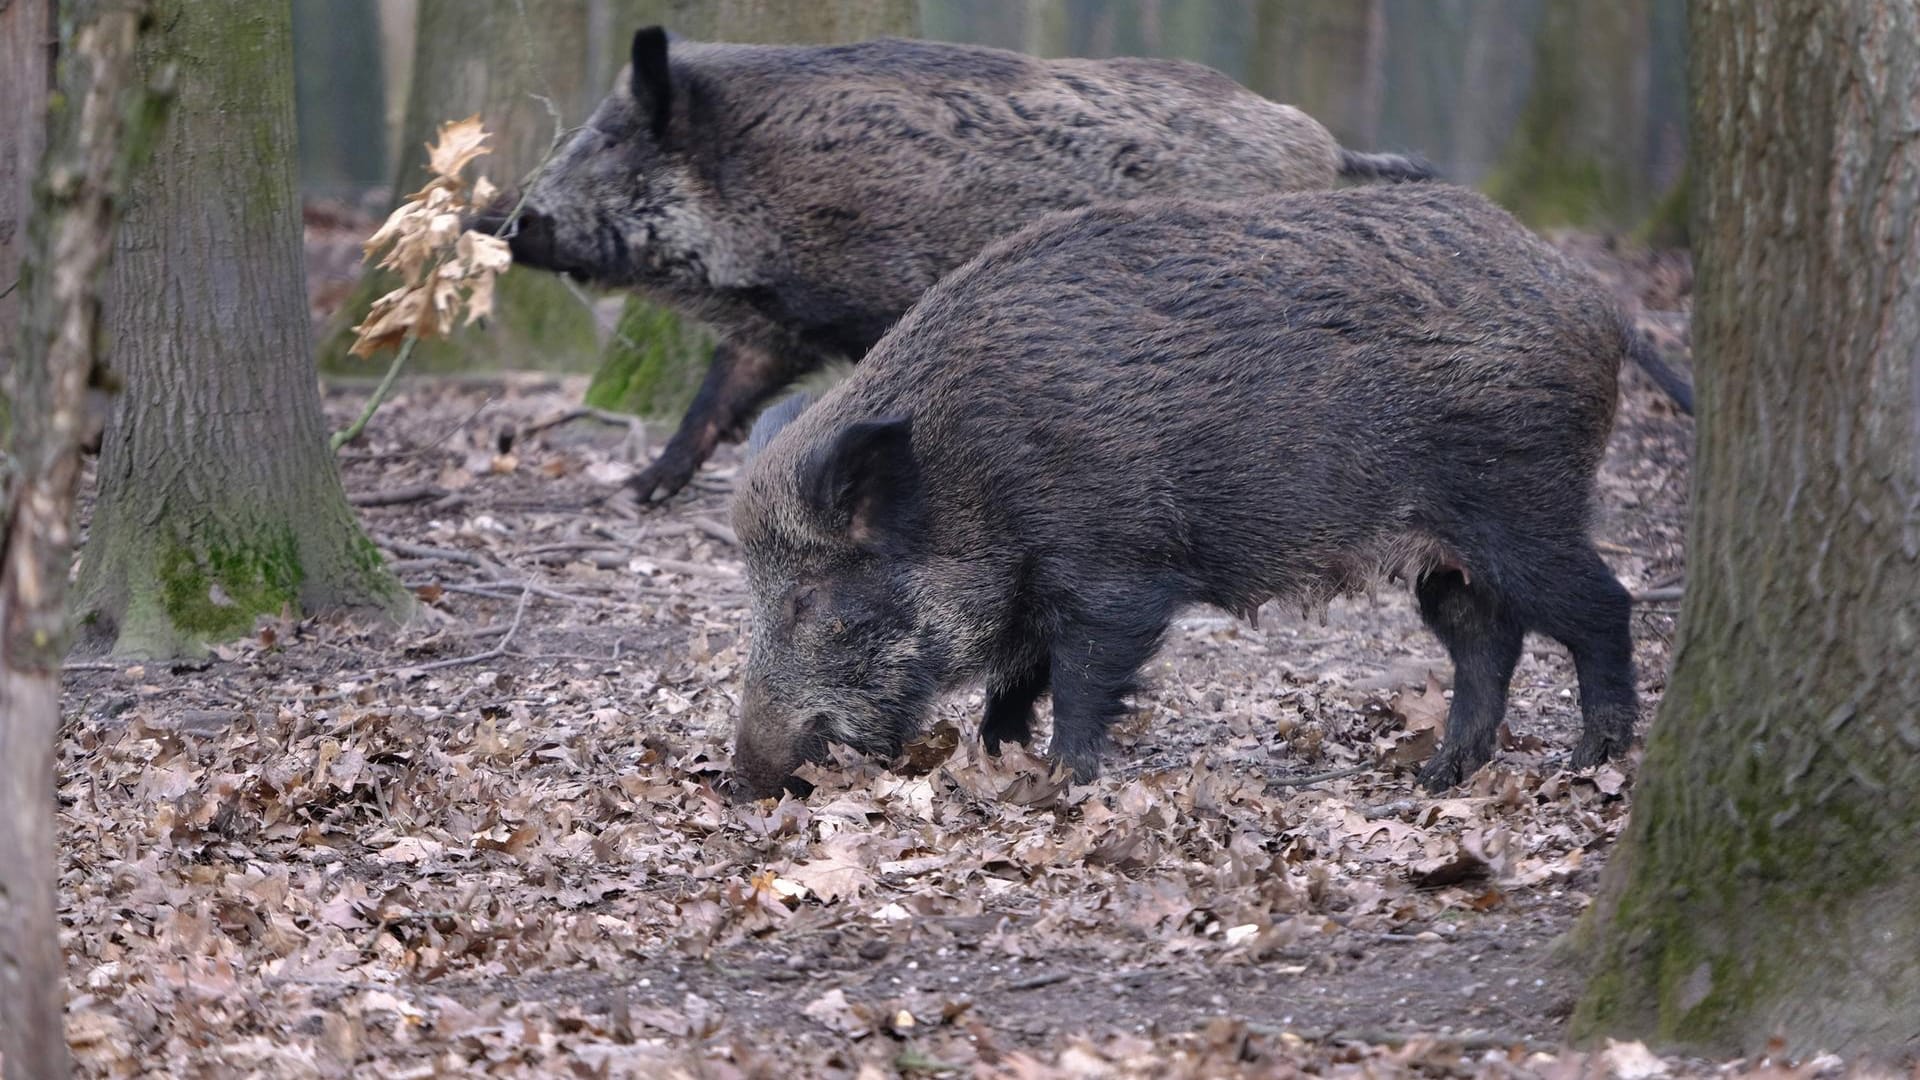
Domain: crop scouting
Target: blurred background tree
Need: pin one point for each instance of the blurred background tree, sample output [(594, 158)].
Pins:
[(522, 66)]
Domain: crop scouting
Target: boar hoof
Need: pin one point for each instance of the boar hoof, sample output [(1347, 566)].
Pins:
[(1599, 747), (1443, 771), (664, 478)]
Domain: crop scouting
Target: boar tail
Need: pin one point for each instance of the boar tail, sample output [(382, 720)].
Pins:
[(1355, 165), (1641, 348)]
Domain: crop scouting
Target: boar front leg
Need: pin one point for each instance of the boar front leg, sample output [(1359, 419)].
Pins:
[(1010, 708), (741, 379), (1096, 664)]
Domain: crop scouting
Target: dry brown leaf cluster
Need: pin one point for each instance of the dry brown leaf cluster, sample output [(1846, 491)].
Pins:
[(444, 271)]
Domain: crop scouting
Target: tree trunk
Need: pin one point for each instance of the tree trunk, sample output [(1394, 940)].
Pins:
[(655, 359), (1577, 156), (26, 73), (1768, 879), (339, 87), (103, 121), (522, 67), (219, 500)]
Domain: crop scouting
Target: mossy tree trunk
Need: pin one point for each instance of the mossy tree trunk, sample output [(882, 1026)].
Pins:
[(105, 118), (218, 498), (655, 359), (1769, 880), (507, 62), (1327, 59), (26, 74), (1577, 154)]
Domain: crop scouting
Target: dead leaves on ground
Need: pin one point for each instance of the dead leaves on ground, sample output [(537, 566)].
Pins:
[(444, 270)]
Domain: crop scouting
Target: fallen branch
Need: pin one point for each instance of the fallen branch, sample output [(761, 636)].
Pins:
[(585, 412), (1665, 595), (1319, 778), (717, 531), (1471, 1041), (499, 647), (422, 551), (397, 496)]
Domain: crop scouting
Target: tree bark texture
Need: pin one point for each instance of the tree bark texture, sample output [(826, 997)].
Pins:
[(26, 74), (103, 121), (522, 66), (1769, 881), (219, 500), (655, 359)]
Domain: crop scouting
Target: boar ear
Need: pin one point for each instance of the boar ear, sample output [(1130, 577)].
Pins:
[(652, 86), (866, 481)]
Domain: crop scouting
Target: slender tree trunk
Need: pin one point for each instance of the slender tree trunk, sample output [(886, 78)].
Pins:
[(1577, 155), (104, 119), (1325, 58), (1769, 881), (339, 88), (655, 359), (26, 74), (522, 66), (219, 500)]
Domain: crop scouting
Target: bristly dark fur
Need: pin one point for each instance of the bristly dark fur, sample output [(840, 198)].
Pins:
[(1126, 410), (801, 198)]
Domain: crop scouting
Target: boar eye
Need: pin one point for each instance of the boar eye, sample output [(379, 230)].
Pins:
[(803, 601)]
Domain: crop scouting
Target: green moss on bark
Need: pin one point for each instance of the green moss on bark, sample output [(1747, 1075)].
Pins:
[(217, 593), (653, 364)]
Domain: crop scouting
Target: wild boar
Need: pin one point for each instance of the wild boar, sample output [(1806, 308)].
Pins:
[(1125, 410), (800, 198)]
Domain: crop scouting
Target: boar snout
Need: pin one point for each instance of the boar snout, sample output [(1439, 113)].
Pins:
[(769, 743), (530, 235)]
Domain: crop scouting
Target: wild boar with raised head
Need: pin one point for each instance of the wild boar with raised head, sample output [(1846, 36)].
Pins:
[(801, 198), (1126, 410)]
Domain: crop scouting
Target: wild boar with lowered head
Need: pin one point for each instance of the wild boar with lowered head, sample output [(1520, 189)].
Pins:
[(801, 198), (1126, 410)]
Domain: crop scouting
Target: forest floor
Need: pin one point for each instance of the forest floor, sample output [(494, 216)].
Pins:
[(489, 842)]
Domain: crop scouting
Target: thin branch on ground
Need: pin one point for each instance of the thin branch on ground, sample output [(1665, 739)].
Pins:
[(499, 647), (716, 530), (1320, 778), (397, 496), (1665, 595), (422, 551), (584, 412)]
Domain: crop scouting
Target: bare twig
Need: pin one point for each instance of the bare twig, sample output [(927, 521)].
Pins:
[(1398, 806), (352, 431), (422, 551), (1037, 982), (499, 647), (1469, 1041), (1318, 778), (716, 530), (396, 496), (1665, 595), (692, 569), (584, 412)]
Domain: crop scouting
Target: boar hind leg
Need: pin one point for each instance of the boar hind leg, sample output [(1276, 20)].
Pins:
[(1010, 708), (1483, 636), (1586, 609), (1096, 664), (741, 379)]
